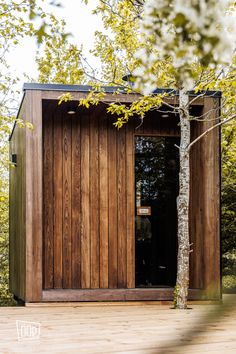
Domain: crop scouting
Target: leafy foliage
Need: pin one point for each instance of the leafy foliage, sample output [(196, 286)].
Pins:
[(5, 296), (192, 35), (229, 199), (229, 283), (16, 21), (61, 61), (116, 46), (13, 26)]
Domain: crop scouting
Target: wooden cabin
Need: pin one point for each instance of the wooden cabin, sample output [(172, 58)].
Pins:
[(93, 209)]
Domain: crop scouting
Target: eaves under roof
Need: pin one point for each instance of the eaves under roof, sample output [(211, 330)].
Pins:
[(106, 89)]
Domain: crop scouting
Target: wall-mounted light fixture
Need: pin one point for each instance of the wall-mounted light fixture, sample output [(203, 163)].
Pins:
[(71, 108), (14, 159)]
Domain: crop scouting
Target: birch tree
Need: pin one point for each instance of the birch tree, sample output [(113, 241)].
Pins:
[(190, 34), (184, 44)]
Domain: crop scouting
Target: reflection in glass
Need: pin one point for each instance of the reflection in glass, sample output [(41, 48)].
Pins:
[(156, 174)]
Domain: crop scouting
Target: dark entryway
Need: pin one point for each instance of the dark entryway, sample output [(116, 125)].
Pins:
[(156, 175)]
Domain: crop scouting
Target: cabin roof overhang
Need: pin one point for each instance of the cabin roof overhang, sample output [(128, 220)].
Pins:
[(106, 89), (53, 91)]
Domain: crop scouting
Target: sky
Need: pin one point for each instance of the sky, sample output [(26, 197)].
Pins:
[(80, 22)]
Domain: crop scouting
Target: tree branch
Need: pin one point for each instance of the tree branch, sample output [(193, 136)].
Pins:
[(210, 129)]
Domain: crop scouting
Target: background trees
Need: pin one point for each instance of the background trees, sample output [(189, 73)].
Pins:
[(13, 26), (16, 22), (229, 207)]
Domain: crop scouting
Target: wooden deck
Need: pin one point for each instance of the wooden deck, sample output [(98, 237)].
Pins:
[(121, 328)]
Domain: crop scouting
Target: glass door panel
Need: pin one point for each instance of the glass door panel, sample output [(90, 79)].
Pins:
[(156, 176)]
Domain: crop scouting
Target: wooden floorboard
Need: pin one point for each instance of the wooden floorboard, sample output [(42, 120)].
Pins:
[(137, 328)]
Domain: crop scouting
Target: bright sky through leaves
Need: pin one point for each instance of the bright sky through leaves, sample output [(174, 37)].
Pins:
[(80, 22)]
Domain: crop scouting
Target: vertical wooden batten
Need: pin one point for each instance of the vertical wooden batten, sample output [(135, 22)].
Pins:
[(103, 200), (112, 204), (17, 211), (48, 202), (196, 214), (57, 197), (130, 210), (85, 204), (67, 197), (211, 185), (94, 200), (121, 210), (76, 202), (33, 180)]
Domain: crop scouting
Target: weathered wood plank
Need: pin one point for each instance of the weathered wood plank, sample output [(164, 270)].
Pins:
[(122, 208), (67, 212), (58, 198), (48, 206), (34, 193), (118, 295), (103, 207), (76, 202), (130, 188), (196, 209), (94, 201), (112, 185), (85, 204), (110, 97), (211, 183), (131, 326), (17, 216)]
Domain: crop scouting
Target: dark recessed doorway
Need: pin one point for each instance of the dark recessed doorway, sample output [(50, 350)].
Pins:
[(156, 180)]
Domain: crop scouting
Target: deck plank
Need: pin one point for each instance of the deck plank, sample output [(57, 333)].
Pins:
[(120, 328)]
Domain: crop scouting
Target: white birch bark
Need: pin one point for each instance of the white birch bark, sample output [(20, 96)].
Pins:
[(182, 282)]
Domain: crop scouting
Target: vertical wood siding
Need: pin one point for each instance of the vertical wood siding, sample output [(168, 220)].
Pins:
[(76, 229), (205, 203), (76, 206), (89, 195), (17, 214), (89, 190)]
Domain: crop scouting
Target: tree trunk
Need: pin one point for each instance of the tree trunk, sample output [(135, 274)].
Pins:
[(182, 282)]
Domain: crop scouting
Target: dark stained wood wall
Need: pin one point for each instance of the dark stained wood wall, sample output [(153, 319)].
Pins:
[(26, 202), (77, 229), (88, 183), (17, 213), (197, 209), (205, 201), (212, 187)]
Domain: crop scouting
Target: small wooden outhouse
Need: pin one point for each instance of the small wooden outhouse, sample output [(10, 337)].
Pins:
[(93, 208)]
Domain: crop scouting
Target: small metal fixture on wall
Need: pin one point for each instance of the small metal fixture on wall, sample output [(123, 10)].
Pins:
[(14, 159), (71, 108)]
